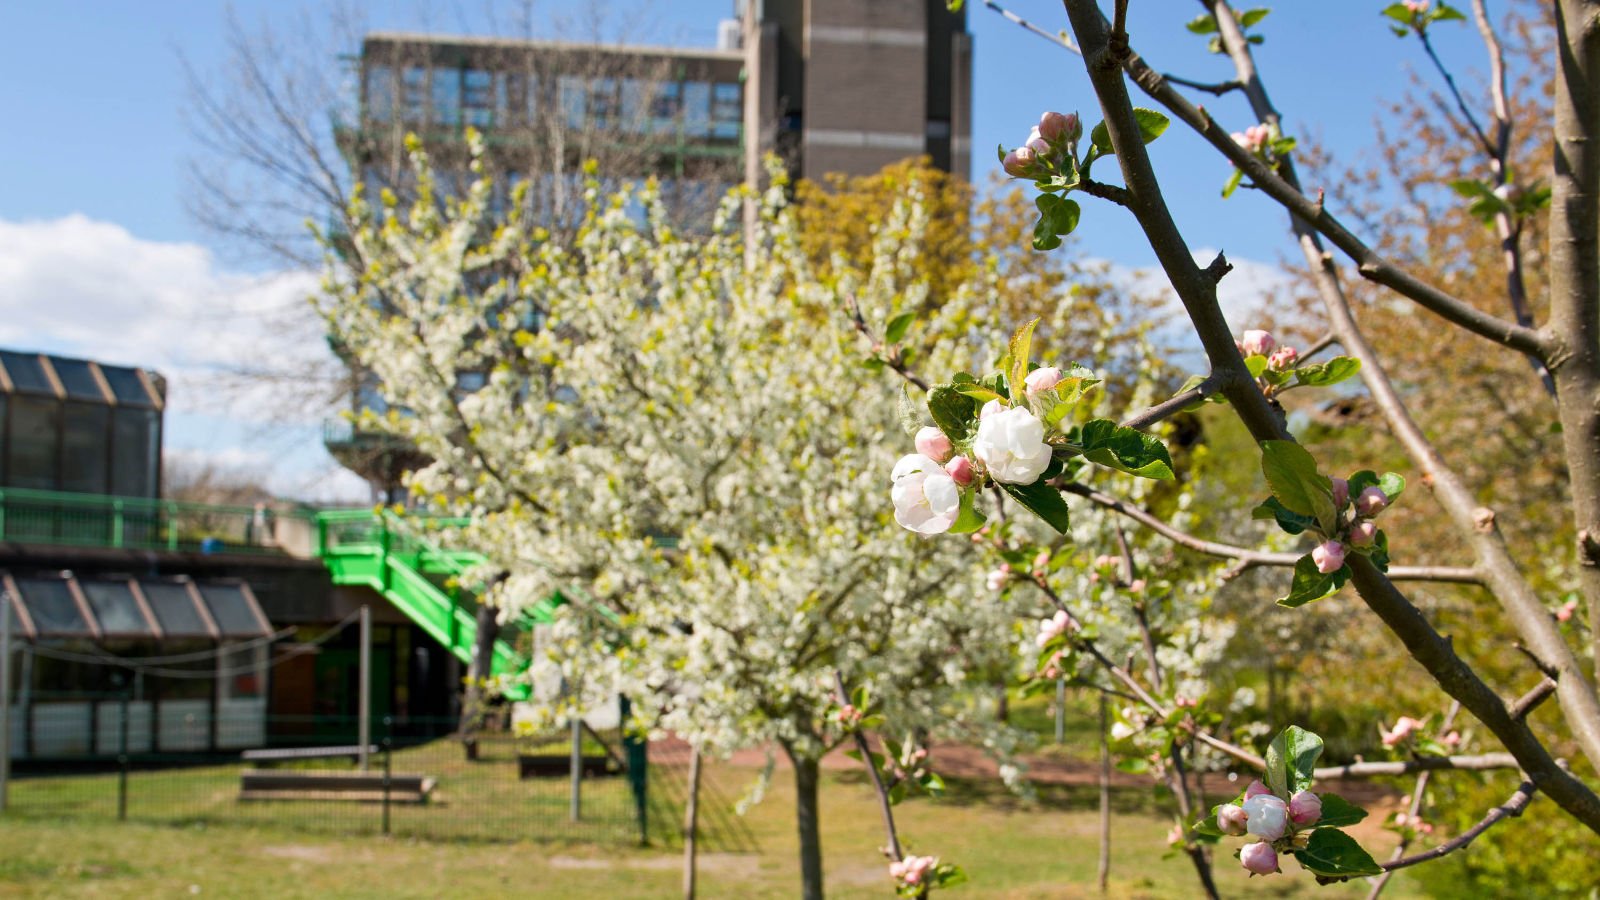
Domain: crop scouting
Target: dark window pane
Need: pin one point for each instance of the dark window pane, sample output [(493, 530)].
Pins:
[(83, 448), (230, 610), (727, 111), (50, 603), (32, 462), (174, 609), (27, 373), (696, 109), (413, 93), (114, 607), (135, 452), (380, 93), (446, 96), (77, 379), (572, 90), (477, 98), (126, 386)]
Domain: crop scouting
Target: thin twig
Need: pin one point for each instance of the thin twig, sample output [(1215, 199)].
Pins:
[(1057, 38), (1178, 403), (884, 806), (1219, 88), (1513, 806)]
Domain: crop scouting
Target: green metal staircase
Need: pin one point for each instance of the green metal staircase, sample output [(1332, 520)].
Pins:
[(421, 580)]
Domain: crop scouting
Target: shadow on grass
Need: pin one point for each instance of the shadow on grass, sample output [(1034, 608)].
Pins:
[(1150, 800)]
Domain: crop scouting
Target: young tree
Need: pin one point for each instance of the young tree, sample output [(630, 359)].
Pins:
[(674, 432)]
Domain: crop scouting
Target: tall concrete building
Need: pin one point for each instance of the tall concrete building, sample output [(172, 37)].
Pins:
[(852, 85)]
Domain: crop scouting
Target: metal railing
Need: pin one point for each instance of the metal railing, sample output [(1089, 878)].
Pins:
[(140, 523)]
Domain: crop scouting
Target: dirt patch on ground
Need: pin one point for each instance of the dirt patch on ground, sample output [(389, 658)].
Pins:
[(705, 862), (314, 853)]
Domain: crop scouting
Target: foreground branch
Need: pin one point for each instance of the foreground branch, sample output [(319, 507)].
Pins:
[(1513, 806)]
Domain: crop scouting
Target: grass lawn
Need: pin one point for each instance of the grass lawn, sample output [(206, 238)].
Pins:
[(1012, 850)]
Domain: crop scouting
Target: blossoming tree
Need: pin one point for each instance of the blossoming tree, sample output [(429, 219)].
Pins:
[(675, 433)]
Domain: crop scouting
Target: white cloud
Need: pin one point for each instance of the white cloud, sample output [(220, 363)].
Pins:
[(244, 355)]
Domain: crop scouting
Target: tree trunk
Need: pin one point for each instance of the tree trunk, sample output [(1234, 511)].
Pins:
[(806, 821), (691, 825), (474, 702), (1104, 874)]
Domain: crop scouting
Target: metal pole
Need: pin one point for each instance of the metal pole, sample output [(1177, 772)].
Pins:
[(388, 752), (5, 696), (364, 701), (577, 769), (1061, 710), (122, 760)]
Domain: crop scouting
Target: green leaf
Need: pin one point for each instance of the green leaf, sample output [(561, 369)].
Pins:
[(1310, 585), (1215, 44), (1333, 371), (980, 394), (968, 519), (1287, 519), (1392, 485), (954, 413), (1291, 473), (1291, 758), (1331, 853), (1446, 13), (897, 793), (1283, 146), (949, 875), (1252, 16), (1232, 184), (1100, 137), (910, 414), (1125, 449), (873, 363), (1151, 123), (1208, 825), (1018, 349), (1136, 765), (1255, 364), (1205, 23), (1397, 12), (1338, 812), (1043, 501), (1378, 553), (898, 327)]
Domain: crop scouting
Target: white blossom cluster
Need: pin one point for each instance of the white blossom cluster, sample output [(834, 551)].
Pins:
[(675, 432)]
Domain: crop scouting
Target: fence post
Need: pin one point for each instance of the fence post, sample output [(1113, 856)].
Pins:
[(1061, 710), (388, 752), (635, 748), (172, 525), (364, 682), (116, 524), (576, 800), (5, 696), (122, 759)]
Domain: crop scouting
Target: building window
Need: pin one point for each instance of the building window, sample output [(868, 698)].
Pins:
[(727, 111), (938, 128), (603, 103), (414, 93), (380, 93), (573, 100), (35, 433), (696, 109), (83, 448), (135, 445), (666, 106), (447, 98), (477, 98), (636, 96)]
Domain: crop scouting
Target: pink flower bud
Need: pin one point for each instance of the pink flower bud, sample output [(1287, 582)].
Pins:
[(1566, 610), (991, 408), (1231, 819), (1258, 343), (996, 580), (1259, 858), (1403, 728), (1137, 586), (1020, 162), (1039, 146), (1363, 534), (959, 468), (1453, 739), (1006, 568), (1305, 808), (1256, 789), (1328, 557), (1101, 561), (1283, 359), (1341, 492), (932, 443), (1042, 380), (1054, 127), (1372, 501), (1042, 560)]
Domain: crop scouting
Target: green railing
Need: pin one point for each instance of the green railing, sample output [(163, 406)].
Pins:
[(139, 523)]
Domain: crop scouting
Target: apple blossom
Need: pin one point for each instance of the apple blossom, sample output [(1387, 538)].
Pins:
[(1363, 534), (1053, 627), (1372, 501), (1404, 727), (1137, 586), (1283, 359), (1266, 816), (1328, 556), (926, 499), (1305, 808), (932, 443), (1011, 446), (1256, 789), (1020, 163), (1042, 380), (959, 468), (1042, 559), (1231, 818), (1341, 492), (1037, 143), (1055, 127), (1566, 610), (993, 407), (1258, 343), (1259, 858)]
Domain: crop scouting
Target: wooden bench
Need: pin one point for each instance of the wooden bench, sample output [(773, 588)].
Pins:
[(361, 787), (554, 765), (351, 752)]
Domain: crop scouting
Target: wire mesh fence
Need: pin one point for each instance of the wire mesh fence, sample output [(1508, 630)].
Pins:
[(309, 778)]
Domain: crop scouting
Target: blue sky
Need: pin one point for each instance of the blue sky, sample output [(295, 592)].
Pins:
[(97, 148)]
